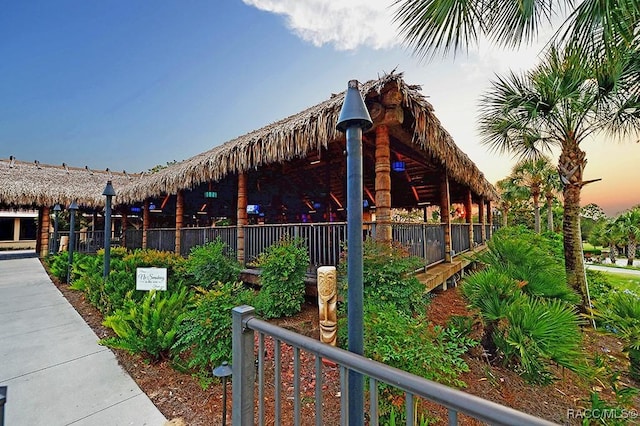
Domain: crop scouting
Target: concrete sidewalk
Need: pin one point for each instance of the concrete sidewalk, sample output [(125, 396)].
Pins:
[(55, 371)]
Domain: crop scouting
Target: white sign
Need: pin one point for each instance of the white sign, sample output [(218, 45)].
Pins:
[(151, 278)]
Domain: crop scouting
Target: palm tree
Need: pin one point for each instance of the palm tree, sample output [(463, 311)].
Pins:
[(628, 224), (531, 174), (560, 103), (510, 195), (607, 233), (550, 188), (429, 26)]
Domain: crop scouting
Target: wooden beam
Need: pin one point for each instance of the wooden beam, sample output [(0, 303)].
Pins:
[(445, 215), (383, 185), (179, 218), (44, 232), (241, 214), (145, 222)]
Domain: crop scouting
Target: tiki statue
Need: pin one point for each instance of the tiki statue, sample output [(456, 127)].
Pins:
[(327, 304)]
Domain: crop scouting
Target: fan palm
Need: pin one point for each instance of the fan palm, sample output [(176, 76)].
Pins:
[(532, 173), (510, 194), (559, 104), (429, 26), (628, 224)]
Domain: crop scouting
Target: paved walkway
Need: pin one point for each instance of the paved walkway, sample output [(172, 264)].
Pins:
[(55, 371), (604, 268)]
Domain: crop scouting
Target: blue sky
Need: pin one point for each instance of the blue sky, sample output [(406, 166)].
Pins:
[(131, 84)]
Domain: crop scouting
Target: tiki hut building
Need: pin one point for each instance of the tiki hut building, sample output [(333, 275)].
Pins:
[(289, 178)]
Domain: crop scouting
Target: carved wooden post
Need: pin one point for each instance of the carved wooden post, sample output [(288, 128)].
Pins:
[(327, 304), (179, 216), (468, 206), (44, 232), (145, 222), (383, 185), (445, 216), (123, 227), (483, 229), (242, 214)]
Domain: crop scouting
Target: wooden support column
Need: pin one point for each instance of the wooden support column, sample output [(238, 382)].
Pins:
[(145, 222), (445, 215), (468, 208), (489, 219), (481, 220), (383, 185), (44, 232), (123, 226), (242, 214), (16, 229), (179, 217)]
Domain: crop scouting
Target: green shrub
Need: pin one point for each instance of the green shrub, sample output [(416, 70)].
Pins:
[(149, 327), (209, 265), (284, 266), (204, 337), (388, 277), (621, 316), (413, 345), (58, 264), (536, 332), (528, 258)]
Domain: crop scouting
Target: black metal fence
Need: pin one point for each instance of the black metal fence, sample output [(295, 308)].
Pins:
[(324, 241), (247, 412)]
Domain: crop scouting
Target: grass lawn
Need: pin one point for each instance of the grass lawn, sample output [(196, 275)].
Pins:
[(624, 281)]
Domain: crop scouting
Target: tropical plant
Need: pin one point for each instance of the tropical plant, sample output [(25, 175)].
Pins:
[(204, 336), (551, 187), (209, 264), (607, 233), (589, 83), (388, 277), (149, 327), (429, 26), (559, 103), (282, 287), (510, 195), (628, 224), (621, 316), (532, 175)]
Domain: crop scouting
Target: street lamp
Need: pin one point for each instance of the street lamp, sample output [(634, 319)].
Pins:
[(72, 237), (56, 212), (223, 371), (354, 119), (109, 193)]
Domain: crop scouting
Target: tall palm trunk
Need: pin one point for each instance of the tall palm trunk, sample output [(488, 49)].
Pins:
[(631, 251), (550, 213), (571, 165), (505, 219), (613, 252), (536, 211)]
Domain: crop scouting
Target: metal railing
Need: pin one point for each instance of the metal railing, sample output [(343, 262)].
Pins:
[(460, 237), (84, 241), (477, 234), (423, 240), (245, 412), (324, 241), (192, 237)]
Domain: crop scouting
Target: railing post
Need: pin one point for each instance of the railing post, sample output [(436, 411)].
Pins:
[(243, 367), (3, 399)]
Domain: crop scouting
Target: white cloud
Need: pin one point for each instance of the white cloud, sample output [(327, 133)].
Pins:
[(344, 24)]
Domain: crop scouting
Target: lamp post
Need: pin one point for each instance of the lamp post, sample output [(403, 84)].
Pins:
[(56, 213), (223, 371), (109, 193), (72, 236), (354, 119)]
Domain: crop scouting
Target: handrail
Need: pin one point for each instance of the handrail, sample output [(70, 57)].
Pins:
[(455, 400)]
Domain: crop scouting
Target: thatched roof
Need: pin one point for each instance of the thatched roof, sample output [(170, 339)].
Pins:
[(306, 132), (32, 183), (297, 136)]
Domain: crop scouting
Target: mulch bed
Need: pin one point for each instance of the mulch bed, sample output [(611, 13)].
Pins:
[(181, 399)]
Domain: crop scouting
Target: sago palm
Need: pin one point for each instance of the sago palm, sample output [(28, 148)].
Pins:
[(559, 104)]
